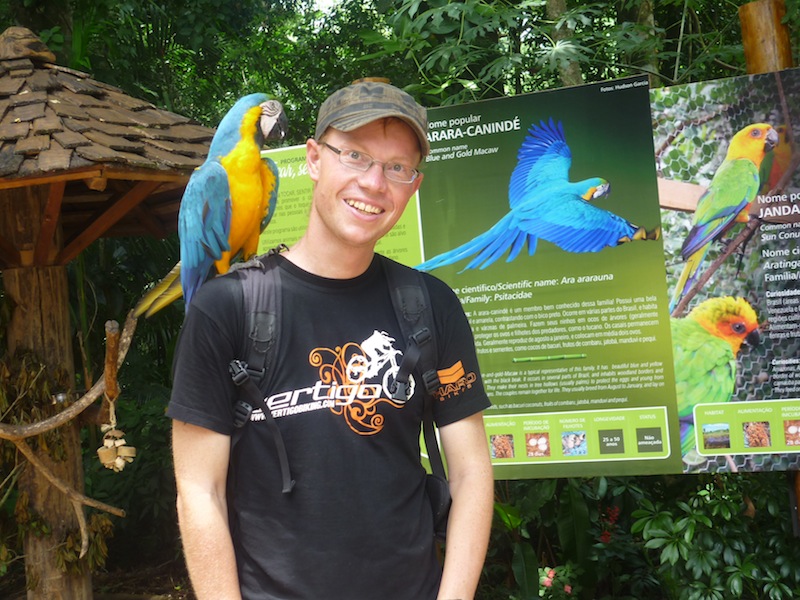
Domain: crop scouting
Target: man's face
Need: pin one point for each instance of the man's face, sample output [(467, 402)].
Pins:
[(357, 208)]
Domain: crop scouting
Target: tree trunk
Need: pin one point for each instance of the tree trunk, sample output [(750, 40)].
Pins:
[(40, 323), (765, 37), (571, 73)]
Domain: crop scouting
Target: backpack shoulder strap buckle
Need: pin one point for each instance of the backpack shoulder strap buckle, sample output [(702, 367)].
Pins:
[(238, 371)]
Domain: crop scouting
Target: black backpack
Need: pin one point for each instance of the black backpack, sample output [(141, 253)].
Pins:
[(260, 279)]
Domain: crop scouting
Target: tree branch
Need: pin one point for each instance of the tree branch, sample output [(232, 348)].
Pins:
[(117, 347)]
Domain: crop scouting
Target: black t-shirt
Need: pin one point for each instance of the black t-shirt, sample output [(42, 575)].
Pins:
[(357, 525)]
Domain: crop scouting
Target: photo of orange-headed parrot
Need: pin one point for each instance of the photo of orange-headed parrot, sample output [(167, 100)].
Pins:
[(705, 345), (228, 201), (776, 162), (734, 186), (546, 204)]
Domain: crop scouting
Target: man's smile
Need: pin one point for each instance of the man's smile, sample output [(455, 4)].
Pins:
[(364, 207)]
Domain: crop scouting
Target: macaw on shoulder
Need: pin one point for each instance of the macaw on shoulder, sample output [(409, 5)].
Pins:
[(705, 345), (545, 204), (228, 201), (726, 201)]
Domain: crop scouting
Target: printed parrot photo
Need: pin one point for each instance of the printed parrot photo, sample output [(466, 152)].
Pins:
[(546, 205), (726, 202), (776, 163), (228, 202), (706, 343)]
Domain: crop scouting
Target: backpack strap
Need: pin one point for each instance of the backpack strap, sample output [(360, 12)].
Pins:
[(260, 279), (412, 305)]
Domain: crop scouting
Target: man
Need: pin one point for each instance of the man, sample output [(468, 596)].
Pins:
[(357, 525)]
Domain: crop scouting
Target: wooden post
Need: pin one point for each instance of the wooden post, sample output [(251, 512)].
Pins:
[(766, 40), (40, 323)]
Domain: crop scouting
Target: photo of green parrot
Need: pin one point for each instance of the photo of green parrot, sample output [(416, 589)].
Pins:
[(228, 201), (705, 344), (546, 204), (727, 200)]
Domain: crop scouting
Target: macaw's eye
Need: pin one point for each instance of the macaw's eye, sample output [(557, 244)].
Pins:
[(739, 328)]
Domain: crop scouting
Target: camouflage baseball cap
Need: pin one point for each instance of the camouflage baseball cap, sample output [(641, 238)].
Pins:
[(365, 101)]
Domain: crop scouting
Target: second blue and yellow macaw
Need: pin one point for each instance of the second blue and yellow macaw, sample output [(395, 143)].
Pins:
[(726, 201), (705, 345), (546, 204), (228, 201)]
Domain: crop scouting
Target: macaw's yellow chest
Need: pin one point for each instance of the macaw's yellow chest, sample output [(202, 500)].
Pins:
[(249, 195)]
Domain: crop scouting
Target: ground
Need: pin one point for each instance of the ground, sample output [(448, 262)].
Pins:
[(163, 582)]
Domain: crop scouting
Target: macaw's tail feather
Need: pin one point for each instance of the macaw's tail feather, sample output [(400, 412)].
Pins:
[(164, 293), (489, 246)]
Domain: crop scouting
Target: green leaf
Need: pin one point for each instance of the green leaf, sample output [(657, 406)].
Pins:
[(526, 568)]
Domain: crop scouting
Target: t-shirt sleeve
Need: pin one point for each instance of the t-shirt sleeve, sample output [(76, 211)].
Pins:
[(203, 393), (462, 393)]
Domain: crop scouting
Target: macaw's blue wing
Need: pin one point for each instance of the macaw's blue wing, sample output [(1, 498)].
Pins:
[(543, 160), (203, 225), (574, 225), (273, 197)]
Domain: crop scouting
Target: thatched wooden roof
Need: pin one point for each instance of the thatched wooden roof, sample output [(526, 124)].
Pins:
[(121, 162)]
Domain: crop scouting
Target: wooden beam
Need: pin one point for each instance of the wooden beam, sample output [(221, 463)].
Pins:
[(6, 184), (52, 211), (134, 175), (678, 195), (105, 220), (96, 171)]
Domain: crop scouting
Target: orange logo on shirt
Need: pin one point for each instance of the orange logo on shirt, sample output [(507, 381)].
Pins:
[(454, 380)]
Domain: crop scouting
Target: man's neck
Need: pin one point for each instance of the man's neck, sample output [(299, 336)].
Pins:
[(324, 261)]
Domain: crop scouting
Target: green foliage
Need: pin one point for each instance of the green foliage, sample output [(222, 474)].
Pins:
[(665, 537), (723, 538), (467, 51)]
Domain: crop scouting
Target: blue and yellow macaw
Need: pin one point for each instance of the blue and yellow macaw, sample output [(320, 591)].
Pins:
[(546, 204), (726, 201), (228, 201)]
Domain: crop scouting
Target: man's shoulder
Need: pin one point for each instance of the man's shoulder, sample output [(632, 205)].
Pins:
[(220, 293), (433, 283)]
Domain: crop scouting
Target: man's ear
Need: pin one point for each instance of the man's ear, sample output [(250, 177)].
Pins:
[(313, 158), (417, 183)]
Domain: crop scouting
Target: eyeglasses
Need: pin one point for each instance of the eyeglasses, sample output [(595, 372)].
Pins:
[(361, 161)]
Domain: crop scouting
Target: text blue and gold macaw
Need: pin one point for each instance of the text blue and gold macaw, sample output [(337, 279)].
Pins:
[(228, 201), (546, 204)]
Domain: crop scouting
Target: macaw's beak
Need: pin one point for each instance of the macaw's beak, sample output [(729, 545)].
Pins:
[(274, 124), (753, 338)]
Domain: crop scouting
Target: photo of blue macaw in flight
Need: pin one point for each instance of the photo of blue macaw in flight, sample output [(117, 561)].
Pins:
[(546, 204)]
